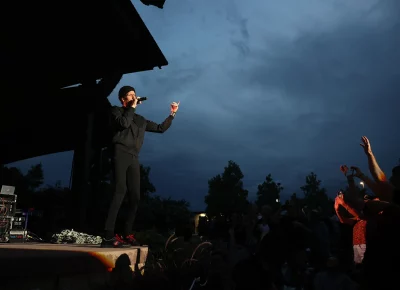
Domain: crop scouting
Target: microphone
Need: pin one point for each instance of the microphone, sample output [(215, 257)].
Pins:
[(141, 99)]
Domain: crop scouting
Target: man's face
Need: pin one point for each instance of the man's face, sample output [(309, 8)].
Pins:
[(128, 98)]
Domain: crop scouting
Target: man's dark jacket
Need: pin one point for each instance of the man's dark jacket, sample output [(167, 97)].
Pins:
[(128, 129)]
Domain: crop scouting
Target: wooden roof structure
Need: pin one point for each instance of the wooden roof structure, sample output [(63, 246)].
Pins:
[(60, 60)]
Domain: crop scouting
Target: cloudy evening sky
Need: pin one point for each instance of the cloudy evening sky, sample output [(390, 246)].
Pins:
[(283, 87)]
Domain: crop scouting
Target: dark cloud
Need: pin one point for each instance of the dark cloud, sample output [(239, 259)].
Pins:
[(240, 34), (344, 83)]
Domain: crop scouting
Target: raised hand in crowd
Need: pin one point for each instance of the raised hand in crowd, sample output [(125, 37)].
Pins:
[(383, 189), (366, 145), (357, 172), (340, 202), (376, 172), (352, 193), (344, 169)]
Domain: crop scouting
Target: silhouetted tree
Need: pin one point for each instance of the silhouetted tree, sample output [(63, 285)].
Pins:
[(269, 193), (296, 201), (162, 214), (225, 192), (314, 195), (34, 177), (146, 187), (25, 185), (58, 184), (54, 205), (177, 213), (12, 176)]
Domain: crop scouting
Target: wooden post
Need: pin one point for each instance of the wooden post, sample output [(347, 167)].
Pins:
[(81, 176)]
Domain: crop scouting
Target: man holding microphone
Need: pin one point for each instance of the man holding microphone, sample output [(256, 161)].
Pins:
[(128, 134)]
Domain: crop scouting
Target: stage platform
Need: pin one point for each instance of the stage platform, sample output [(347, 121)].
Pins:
[(54, 267)]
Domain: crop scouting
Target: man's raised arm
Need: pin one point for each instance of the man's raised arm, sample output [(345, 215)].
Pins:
[(161, 128), (382, 184), (376, 172), (339, 201)]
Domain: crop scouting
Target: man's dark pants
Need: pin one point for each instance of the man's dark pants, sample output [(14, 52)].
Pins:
[(126, 170)]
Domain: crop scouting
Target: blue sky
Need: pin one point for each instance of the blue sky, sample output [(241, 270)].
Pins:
[(282, 87)]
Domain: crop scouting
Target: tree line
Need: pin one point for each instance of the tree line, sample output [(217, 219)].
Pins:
[(226, 193)]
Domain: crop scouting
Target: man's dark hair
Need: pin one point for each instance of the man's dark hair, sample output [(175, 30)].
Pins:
[(124, 91)]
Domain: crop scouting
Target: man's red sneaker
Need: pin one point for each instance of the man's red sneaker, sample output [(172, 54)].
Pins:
[(123, 241), (130, 239)]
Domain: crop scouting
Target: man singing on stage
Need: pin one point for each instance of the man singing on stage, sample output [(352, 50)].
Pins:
[(128, 134)]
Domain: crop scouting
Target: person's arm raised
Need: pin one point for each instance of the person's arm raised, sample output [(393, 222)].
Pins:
[(339, 201), (376, 172), (164, 126)]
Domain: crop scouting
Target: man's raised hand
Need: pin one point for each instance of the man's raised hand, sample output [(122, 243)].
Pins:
[(357, 171), (366, 145), (344, 169), (174, 107)]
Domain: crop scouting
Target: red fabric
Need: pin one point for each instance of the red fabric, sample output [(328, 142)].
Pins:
[(359, 232)]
